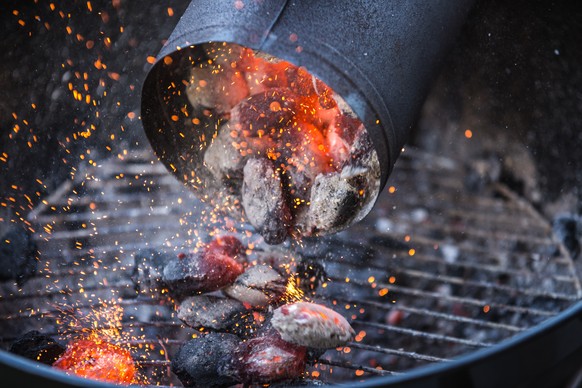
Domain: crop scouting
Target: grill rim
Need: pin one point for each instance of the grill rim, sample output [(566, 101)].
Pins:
[(28, 371), (495, 365), (481, 368)]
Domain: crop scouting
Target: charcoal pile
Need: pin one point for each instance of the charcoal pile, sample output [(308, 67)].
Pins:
[(285, 151), (248, 309)]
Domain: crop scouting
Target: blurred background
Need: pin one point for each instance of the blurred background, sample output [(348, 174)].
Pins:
[(508, 99)]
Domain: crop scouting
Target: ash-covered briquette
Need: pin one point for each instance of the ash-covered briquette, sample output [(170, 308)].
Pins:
[(264, 202), (258, 286), (335, 198), (276, 259), (223, 160), (195, 273), (204, 361), (311, 325), (38, 347), (343, 197), (217, 87), (210, 312), (267, 359), (148, 271)]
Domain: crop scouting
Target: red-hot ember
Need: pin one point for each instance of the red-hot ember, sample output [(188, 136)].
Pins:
[(227, 246), (216, 266), (267, 359), (99, 360)]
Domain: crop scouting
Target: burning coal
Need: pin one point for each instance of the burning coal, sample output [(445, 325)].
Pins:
[(303, 323), (95, 358), (246, 308), (267, 142)]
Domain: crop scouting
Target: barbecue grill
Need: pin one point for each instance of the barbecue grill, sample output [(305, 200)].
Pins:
[(451, 280), (436, 281)]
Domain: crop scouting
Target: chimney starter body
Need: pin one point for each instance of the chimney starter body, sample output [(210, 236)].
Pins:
[(366, 66)]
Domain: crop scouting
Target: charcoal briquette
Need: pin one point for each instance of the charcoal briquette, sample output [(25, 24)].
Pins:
[(267, 359), (195, 273), (312, 325), (310, 274), (38, 347), (204, 361), (264, 202), (147, 271), (17, 254), (214, 313), (264, 113), (258, 286)]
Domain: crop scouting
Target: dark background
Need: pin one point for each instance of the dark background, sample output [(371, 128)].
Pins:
[(71, 74)]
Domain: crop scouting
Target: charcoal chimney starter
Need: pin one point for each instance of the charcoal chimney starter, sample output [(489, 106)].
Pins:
[(377, 57)]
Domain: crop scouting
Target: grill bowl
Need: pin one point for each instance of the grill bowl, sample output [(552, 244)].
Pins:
[(477, 276)]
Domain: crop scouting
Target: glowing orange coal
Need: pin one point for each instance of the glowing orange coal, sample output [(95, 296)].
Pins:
[(95, 358)]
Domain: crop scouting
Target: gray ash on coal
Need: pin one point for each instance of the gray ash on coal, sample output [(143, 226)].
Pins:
[(264, 202), (311, 325), (336, 197), (223, 161), (219, 314), (258, 286)]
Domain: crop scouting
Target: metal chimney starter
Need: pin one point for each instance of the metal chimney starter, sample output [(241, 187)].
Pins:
[(378, 56)]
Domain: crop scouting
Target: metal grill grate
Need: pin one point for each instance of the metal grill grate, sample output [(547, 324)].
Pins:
[(434, 272)]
